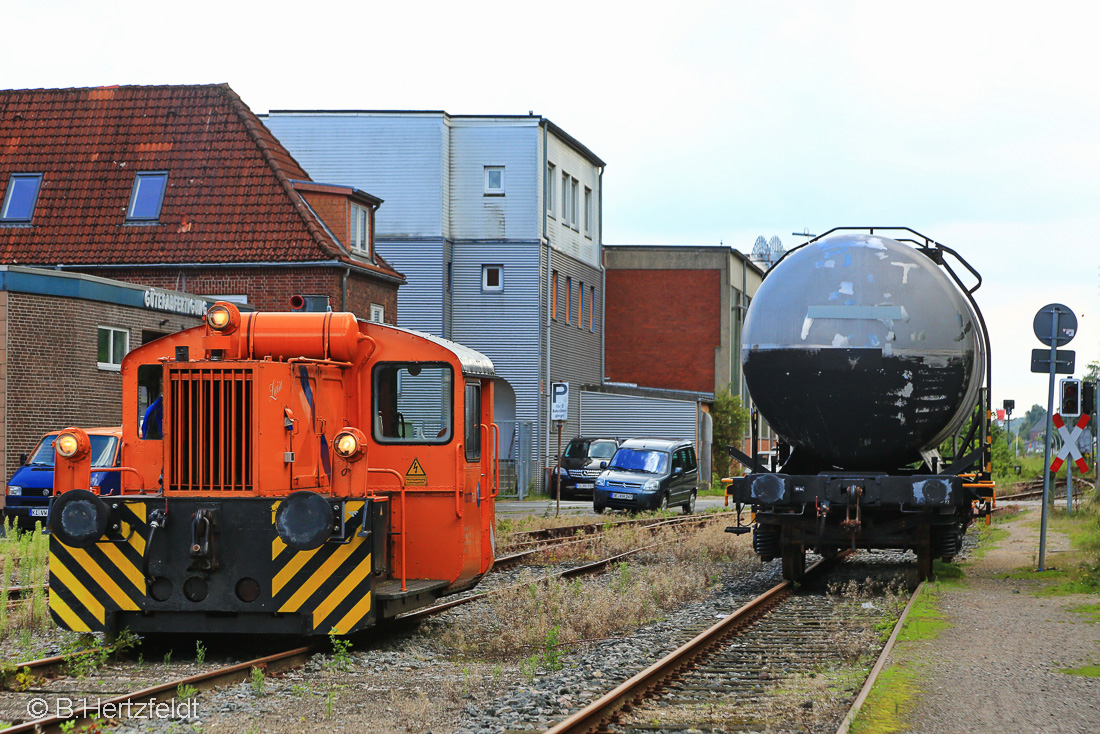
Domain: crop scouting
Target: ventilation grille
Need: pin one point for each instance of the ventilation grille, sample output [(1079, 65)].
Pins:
[(210, 429)]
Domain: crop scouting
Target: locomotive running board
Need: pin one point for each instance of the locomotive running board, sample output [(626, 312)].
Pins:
[(392, 600)]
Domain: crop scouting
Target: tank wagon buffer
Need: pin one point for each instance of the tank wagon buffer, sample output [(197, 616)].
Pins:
[(293, 473), (865, 354)]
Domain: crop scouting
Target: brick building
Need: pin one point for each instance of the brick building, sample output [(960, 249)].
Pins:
[(181, 187), (674, 316), (62, 337)]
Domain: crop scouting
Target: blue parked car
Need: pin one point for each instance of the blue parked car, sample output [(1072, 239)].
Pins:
[(648, 474), (30, 488)]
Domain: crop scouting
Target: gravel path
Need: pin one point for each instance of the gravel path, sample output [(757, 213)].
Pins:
[(997, 667)]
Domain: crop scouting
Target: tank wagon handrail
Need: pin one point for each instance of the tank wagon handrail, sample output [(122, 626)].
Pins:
[(401, 491)]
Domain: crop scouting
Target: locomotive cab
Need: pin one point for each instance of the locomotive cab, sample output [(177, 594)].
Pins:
[(288, 473)]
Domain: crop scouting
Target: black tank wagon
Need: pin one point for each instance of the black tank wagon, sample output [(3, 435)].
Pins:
[(865, 354)]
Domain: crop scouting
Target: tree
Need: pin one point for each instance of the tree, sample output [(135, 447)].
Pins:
[(730, 421), (1092, 374), (1034, 413)]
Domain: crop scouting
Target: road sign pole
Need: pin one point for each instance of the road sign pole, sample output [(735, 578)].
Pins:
[(557, 473), (1050, 429), (1069, 487)]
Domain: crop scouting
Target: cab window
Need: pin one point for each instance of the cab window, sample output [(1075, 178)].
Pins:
[(473, 421), (150, 405), (412, 402)]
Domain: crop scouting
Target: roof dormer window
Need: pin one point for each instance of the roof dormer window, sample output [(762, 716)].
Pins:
[(359, 229), (147, 196), (20, 198)]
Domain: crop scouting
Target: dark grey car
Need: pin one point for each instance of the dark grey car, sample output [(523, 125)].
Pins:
[(581, 464), (649, 474)]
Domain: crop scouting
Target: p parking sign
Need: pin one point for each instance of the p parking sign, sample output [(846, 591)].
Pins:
[(559, 401)]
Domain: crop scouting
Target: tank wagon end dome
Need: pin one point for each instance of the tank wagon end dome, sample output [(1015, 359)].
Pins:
[(859, 350)]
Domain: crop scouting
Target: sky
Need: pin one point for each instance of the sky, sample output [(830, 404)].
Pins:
[(975, 123)]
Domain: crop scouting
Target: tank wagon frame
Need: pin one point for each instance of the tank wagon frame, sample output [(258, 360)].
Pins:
[(921, 501)]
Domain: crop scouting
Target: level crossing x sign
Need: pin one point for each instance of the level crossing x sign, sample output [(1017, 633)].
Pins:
[(1069, 443)]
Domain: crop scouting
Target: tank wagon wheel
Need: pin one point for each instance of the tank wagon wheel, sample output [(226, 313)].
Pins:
[(794, 561), (924, 563)]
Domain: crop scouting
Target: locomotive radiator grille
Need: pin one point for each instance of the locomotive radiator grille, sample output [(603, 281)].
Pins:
[(210, 430)]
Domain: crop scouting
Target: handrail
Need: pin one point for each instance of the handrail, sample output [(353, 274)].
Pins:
[(485, 446), (121, 469), (401, 482), (496, 460), (460, 476)]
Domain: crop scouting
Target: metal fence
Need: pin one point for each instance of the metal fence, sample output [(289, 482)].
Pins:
[(516, 452)]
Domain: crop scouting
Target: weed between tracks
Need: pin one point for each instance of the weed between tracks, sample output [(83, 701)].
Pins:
[(535, 621), (23, 558)]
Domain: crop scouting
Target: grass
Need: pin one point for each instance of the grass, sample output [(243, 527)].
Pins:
[(1089, 671), (535, 620), (894, 694), (23, 562)]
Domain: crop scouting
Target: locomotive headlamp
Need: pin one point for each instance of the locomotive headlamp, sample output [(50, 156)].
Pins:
[(223, 317), (73, 443), (349, 444)]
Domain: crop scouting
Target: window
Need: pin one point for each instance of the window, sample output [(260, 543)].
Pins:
[(492, 278), (587, 212), (450, 277), (494, 180), (113, 345), (580, 306), (549, 185), (564, 197), (20, 198), (568, 299), (412, 402), (147, 196), (377, 313), (554, 295), (359, 229), (473, 421), (592, 308), (573, 202)]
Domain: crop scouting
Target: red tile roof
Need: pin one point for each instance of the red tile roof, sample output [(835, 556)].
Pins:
[(229, 197)]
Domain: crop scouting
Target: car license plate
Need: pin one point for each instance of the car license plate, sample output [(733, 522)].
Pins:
[(585, 485), (40, 512), (621, 496)]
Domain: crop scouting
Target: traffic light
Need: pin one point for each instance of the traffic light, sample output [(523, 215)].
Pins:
[(1088, 397), (1070, 404)]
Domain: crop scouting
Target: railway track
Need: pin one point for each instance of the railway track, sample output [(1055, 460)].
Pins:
[(1034, 490), (578, 534), (281, 661), (724, 678)]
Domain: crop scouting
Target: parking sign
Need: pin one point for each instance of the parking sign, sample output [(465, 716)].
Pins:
[(559, 401)]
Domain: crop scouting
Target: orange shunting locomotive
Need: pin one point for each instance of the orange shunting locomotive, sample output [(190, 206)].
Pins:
[(291, 473)]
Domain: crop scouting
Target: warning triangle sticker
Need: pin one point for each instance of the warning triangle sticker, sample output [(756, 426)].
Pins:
[(416, 476)]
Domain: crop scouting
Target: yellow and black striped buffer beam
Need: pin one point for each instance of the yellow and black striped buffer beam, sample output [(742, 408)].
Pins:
[(332, 583), (88, 585)]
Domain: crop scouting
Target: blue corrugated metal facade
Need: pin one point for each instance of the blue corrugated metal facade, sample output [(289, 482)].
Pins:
[(443, 221)]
